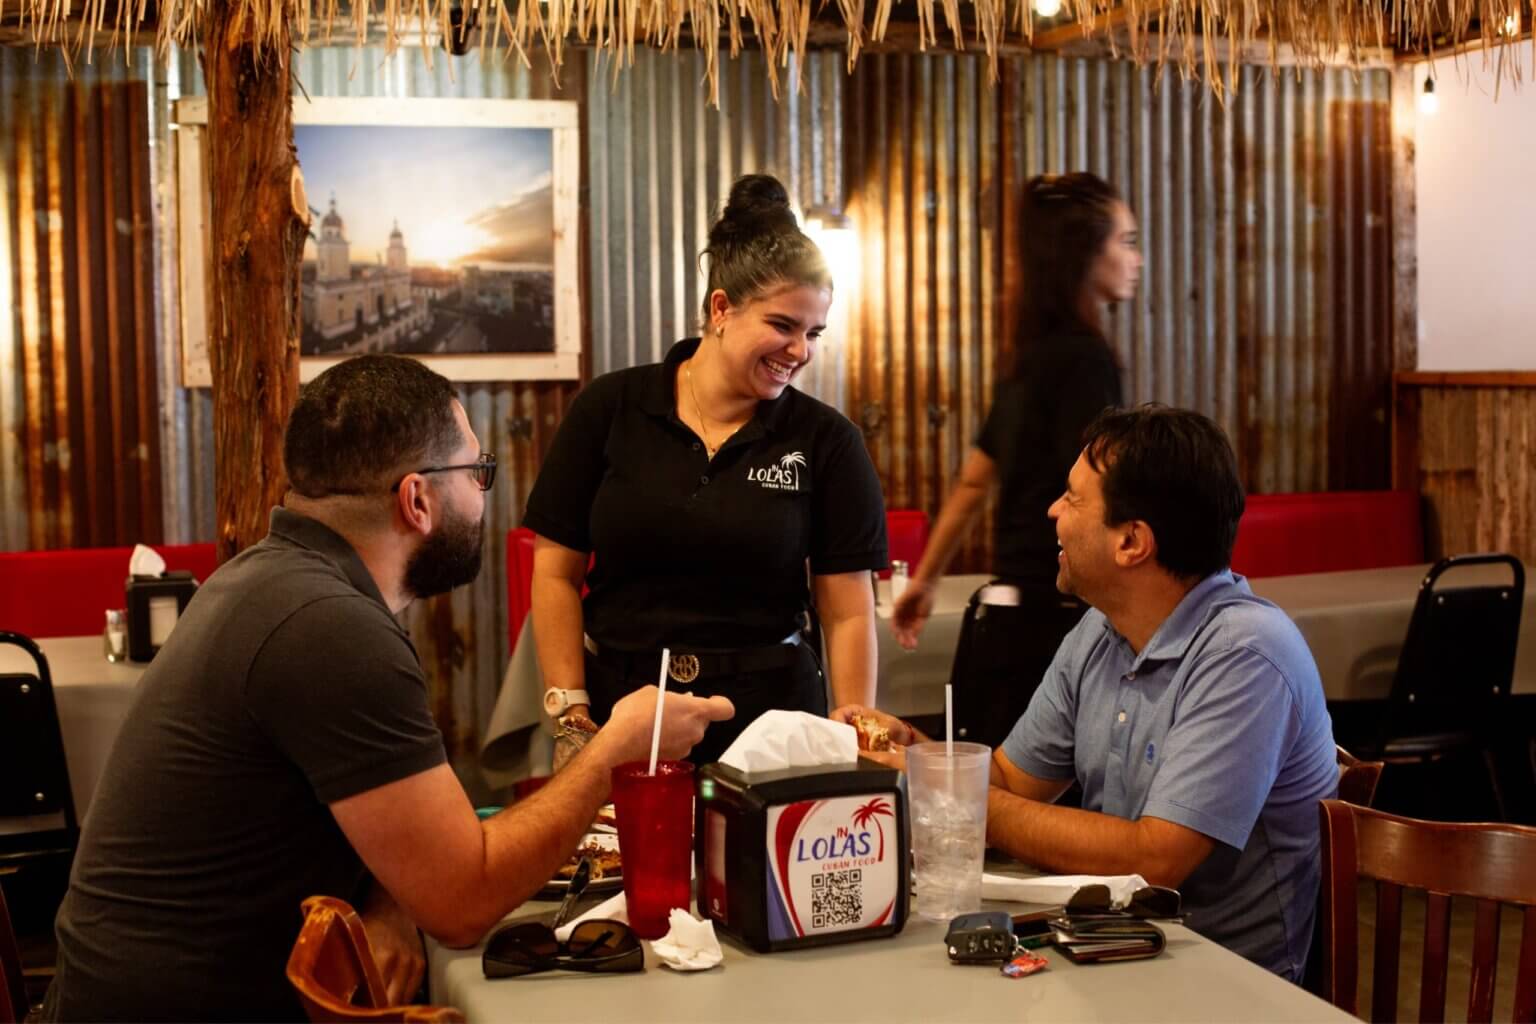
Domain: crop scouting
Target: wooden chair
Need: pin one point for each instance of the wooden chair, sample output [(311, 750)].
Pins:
[(1489, 863), (334, 973), (1357, 778), (13, 989)]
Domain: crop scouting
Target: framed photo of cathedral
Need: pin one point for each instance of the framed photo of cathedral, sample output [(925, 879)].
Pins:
[(442, 229)]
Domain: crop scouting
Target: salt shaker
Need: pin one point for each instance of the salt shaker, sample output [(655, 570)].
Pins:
[(115, 636), (898, 579)]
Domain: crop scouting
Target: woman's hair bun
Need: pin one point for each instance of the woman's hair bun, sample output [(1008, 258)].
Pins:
[(758, 204)]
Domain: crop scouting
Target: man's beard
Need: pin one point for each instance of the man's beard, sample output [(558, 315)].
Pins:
[(448, 558)]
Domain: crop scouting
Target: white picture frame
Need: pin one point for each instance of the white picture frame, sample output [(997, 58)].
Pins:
[(560, 117)]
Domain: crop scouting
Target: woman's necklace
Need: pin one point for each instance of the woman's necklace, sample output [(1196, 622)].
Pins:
[(698, 410)]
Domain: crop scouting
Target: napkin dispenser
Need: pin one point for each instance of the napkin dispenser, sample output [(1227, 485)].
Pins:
[(802, 857), (155, 603)]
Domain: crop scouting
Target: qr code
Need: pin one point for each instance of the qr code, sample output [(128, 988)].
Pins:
[(837, 898)]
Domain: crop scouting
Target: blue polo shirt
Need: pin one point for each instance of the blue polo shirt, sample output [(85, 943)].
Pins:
[(1218, 725)]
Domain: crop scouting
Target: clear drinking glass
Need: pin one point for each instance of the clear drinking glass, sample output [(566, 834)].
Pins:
[(949, 826)]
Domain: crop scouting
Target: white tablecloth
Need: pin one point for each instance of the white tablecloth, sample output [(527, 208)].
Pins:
[(1355, 622), (92, 696)]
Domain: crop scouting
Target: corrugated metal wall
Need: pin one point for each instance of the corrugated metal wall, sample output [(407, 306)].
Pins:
[(81, 432), (1265, 225)]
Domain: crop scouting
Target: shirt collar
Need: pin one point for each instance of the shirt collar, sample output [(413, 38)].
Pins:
[(658, 399), (1178, 630), (314, 535)]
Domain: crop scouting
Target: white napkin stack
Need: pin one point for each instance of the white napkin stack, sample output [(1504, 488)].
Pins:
[(689, 945), (145, 561), (1056, 890), (792, 739)]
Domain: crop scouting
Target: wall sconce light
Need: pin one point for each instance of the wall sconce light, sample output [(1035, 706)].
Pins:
[(1047, 8), (1429, 103), (833, 232)]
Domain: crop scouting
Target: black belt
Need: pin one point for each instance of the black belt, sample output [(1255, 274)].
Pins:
[(684, 666)]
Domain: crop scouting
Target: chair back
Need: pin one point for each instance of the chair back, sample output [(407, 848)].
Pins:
[(37, 806), (333, 971), (1490, 864), (13, 989), (1458, 658), (1357, 778)]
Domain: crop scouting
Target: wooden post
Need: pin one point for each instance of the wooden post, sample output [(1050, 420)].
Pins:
[(259, 219)]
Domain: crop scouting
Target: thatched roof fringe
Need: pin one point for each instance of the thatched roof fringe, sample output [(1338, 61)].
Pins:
[(1185, 31)]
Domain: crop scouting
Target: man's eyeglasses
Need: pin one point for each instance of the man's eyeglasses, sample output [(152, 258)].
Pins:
[(528, 947), (484, 470), (1152, 901)]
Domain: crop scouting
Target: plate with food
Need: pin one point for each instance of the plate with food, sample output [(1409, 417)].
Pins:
[(602, 849)]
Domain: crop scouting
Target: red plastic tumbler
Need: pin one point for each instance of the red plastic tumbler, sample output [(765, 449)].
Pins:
[(655, 815)]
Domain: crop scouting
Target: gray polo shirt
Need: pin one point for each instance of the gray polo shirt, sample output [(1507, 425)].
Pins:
[(1219, 725), (286, 686)]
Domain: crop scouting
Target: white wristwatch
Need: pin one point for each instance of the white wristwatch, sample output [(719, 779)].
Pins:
[(558, 701)]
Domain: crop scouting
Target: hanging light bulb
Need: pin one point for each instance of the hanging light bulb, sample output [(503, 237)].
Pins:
[(1429, 103), (834, 233), (1047, 8)]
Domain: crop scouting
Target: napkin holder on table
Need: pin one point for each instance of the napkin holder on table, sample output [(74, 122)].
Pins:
[(156, 600), (806, 856)]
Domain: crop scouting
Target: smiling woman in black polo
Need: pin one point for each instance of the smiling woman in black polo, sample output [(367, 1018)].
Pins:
[(718, 503)]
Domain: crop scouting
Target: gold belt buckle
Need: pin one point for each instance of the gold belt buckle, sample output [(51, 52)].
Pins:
[(683, 668)]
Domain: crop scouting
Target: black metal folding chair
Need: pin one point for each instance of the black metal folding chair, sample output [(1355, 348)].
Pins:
[(1452, 687), (38, 828)]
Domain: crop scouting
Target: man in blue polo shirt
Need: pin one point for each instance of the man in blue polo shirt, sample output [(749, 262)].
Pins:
[(1189, 710)]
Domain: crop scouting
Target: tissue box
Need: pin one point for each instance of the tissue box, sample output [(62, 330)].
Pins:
[(155, 603), (804, 857)]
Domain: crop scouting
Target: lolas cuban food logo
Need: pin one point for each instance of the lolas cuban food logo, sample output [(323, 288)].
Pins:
[(833, 865)]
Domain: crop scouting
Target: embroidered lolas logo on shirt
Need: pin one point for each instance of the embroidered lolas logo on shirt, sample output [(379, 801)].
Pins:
[(784, 475)]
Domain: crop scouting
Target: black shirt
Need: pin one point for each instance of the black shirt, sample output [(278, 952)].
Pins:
[(1034, 434), (286, 686), (700, 554)]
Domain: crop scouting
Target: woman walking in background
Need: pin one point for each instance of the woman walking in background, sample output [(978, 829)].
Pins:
[(1079, 256)]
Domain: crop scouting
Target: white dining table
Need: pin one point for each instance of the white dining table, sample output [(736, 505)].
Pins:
[(92, 696), (907, 977)]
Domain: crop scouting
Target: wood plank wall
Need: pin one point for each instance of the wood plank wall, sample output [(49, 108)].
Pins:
[(1467, 442)]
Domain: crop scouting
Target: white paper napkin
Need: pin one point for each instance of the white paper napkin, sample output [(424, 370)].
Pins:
[(145, 561), (792, 739), (612, 909), (689, 945), (1055, 889)]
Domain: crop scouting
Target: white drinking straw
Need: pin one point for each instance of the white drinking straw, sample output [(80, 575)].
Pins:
[(949, 720), (661, 698)]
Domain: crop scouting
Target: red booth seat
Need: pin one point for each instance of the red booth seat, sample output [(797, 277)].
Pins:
[(66, 592), (1332, 531)]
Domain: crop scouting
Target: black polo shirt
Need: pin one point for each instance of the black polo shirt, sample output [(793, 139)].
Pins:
[(699, 553), (1034, 433), (286, 687)]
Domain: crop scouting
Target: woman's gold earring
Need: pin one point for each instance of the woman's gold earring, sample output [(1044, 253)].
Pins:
[(719, 332)]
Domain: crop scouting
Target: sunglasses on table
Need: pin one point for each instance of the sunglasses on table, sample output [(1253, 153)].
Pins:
[(484, 470), (595, 947), (1152, 901)]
